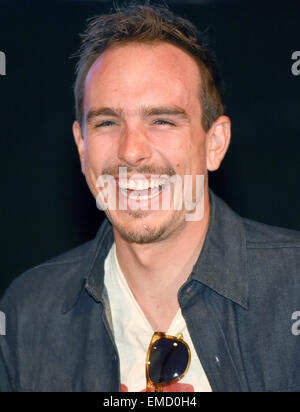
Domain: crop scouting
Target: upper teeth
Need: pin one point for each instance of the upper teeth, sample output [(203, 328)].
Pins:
[(140, 184)]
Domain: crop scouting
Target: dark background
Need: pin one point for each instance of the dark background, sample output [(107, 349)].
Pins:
[(46, 207)]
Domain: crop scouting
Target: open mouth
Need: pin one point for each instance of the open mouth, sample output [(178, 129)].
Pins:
[(144, 194)]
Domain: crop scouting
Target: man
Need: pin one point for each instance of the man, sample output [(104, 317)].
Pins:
[(223, 291)]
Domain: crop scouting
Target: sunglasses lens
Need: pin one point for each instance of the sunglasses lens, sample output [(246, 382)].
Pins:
[(168, 360)]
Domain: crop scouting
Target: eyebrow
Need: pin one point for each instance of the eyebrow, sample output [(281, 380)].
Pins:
[(103, 111), (145, 111)]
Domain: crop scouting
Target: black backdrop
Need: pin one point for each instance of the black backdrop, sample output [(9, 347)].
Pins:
[(46, 207)]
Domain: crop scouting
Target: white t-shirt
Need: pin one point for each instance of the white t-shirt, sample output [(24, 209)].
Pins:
[(133, 333)]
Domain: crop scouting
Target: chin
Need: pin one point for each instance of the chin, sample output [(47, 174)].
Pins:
[(140, 226)]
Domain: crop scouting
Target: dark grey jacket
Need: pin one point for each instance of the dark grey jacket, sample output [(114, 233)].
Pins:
[(238, 304)]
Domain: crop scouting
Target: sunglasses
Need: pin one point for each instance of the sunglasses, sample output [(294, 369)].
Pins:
[(168, 360)]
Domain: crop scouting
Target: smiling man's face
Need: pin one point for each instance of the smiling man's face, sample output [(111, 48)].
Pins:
[(142, 111)]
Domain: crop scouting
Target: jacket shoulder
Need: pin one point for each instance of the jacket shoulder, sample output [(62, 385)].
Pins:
[(51, 282), (267, 236), (273, 259), (50, 279)]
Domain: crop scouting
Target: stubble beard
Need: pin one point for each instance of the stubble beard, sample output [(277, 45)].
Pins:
[(143, 233)]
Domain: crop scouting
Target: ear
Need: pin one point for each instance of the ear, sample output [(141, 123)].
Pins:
[(218, 140), (79, 143)]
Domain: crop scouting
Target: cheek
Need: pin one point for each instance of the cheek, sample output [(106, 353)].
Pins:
[(193, 159), (93, 165), (95, 153)]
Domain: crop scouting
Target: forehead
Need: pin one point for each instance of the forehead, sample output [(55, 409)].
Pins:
[(138, 73)]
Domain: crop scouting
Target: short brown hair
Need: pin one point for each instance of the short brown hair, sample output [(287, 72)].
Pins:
[(148, 24)]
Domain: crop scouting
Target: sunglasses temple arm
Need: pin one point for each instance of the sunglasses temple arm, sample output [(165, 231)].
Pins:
[(149, 386)]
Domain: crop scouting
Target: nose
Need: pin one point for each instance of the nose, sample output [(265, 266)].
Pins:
[(134, 147)]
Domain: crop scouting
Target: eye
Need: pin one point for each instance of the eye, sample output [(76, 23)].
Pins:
[(164, 122), (106, 123)]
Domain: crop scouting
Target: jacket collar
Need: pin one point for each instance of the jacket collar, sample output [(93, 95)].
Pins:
[(92, 268), (221, 266)]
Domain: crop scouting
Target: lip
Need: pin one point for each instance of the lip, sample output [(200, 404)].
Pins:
[(138, 177)]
